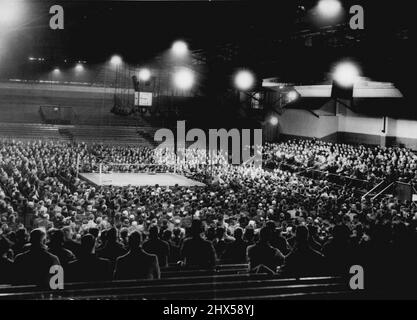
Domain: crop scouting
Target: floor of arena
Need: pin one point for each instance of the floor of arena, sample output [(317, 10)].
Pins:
[(139, 179)]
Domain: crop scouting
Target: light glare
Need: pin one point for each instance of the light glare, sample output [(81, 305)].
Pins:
[(79, 67), (292, 95), (10, 11), (144, 74), (116, 60), (329, 8), (346, 74), (180, 48), (273, 120), (184, 79), (244, 80)]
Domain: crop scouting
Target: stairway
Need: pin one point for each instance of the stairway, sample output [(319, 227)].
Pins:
[(66, 134)]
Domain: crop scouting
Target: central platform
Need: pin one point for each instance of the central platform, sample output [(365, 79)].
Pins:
[(139, 179)]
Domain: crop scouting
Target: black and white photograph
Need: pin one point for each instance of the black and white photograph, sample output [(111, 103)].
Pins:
[(208, 156)]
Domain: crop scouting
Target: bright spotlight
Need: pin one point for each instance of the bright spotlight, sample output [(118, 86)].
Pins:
[(180, 48), (144, 75), (273, 120), (79, 67), (329, 8), (346, 74), (56, 71), (116, 60), (9, 11), (184, 79), (292, 95), (244, 80)]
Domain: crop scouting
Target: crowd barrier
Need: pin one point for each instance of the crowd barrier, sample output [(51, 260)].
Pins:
[(331, 177), (223, 286)]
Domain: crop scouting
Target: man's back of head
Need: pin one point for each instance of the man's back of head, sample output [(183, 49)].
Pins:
[(312, 230), (56, 237), (238, 234), (111, 235), (87, 244), (265, 235), (37, 238), (21, 235), (135, 240), (301, 235), (94, 232), (220, 233), (124, 233), (341, 233), (153, 233), (67, 233), (5, 245), (271, 225), (167, 235), (196, 228)]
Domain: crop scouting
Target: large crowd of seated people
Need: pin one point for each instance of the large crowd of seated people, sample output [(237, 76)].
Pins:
[(276, 221), (355, 161)]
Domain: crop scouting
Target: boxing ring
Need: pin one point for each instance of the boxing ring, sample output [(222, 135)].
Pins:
[(121, 179)]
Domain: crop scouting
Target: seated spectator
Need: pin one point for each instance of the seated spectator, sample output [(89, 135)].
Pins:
[(6, 265), (69, 243), (221, 241), (174, 250), (339, 252), (303, 260), (94, 231), (112, 248), (136, 264), (177, 237), (277, 240), (56, 242), (246, 197), (21, 243), (262, 254), (88, 267), (33, 266), (156, 246), (312, 239), (124, 236), (102, 240), (236, 251), (197, 252), (249, 236)]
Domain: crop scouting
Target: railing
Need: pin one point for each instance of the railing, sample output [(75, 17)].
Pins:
[(338, 179), (230, 286), (374, 189), (324, 175), (383, 191)]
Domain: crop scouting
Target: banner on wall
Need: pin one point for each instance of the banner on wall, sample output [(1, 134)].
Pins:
[(143, 99)]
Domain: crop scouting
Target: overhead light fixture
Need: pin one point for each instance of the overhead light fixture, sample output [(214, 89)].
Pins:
[(180, 48), (346, 74), (116, 60), (144, 75), (184, 79), (244, 80)]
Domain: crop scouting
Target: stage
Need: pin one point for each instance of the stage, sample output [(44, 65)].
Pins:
[(122, 179)]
